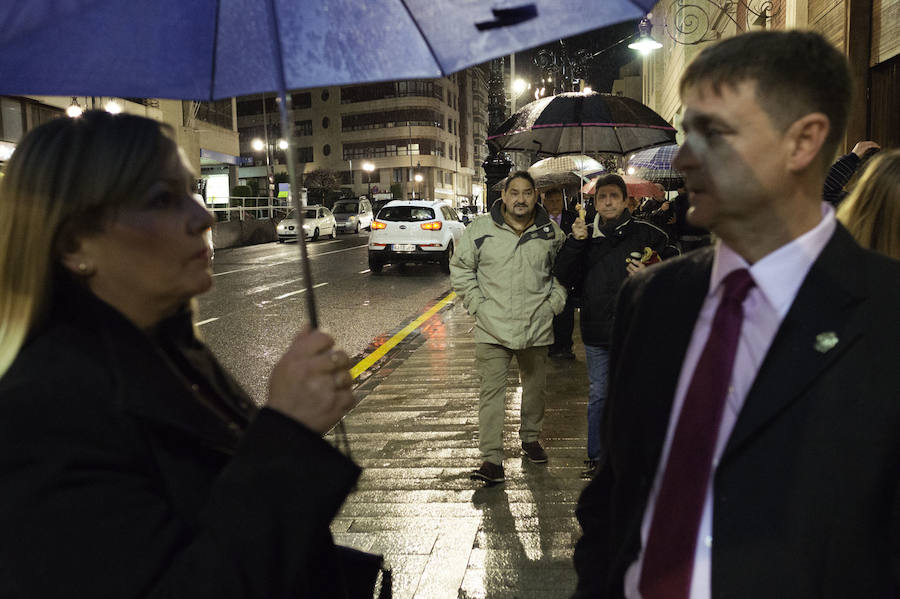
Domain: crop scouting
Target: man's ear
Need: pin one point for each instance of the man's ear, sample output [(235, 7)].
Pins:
[(806, 137)]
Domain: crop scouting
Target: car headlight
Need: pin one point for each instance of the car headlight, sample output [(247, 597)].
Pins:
[(351, 218)]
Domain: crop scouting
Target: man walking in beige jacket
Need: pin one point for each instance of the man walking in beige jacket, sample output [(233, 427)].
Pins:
[(502, 272)]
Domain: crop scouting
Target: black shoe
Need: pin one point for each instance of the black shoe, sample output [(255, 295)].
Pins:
[(489, 473), (591, 467), (534, 452)]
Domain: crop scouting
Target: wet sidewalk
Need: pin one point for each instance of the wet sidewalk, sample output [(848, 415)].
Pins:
[(415, 434)]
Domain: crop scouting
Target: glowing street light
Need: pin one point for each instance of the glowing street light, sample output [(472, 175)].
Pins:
[(418, 179), (282, 144), (74, 110), (368, 167), (259, 145), (113, 107), (645, 43)]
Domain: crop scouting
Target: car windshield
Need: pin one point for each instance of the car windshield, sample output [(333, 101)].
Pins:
[(406, 213), (346, 207), (292, 215)]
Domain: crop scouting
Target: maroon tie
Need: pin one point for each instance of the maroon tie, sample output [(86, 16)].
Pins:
[(669, 555)]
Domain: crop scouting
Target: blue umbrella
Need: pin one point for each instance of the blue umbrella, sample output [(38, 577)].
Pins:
[(209, 49), (655, 164)]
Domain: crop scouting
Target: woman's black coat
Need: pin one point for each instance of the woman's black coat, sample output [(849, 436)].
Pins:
[(117, 481)]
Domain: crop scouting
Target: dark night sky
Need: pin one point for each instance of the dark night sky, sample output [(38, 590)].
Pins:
[(603, 69)]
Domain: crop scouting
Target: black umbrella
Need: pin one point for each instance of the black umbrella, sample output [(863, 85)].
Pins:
[(576, 123)]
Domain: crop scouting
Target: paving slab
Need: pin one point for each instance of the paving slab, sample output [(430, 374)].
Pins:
[(415, 433)]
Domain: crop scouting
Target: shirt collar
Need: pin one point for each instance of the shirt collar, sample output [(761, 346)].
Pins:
[(779, 274)]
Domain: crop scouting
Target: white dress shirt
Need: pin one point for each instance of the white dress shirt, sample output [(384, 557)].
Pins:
[(778, 277)]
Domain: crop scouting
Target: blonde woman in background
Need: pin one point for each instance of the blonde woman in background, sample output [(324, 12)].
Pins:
[(131, 463), (872, 210)]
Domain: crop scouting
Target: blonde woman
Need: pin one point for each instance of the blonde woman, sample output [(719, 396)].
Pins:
[(131, 463), (872, 210)]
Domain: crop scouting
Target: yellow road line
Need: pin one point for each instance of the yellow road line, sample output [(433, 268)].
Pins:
[(388, 345)]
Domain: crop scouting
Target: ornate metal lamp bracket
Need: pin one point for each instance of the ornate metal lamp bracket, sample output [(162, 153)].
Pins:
[(692, 22)]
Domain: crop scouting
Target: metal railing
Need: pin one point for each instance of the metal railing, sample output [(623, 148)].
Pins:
[(241, 208)]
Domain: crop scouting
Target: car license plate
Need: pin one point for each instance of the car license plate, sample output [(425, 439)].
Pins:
[(404, 247)]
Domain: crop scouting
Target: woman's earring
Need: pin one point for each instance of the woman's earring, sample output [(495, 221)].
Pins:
[(82, 268)]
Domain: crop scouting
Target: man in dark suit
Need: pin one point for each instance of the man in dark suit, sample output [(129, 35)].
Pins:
[(762, 458), (564, 322)]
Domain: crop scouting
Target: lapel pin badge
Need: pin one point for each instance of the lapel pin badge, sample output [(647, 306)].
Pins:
[(825, 341)]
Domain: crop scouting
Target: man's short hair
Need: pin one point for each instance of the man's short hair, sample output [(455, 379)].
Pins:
[(518, 175), (796, 73), (611, 179)]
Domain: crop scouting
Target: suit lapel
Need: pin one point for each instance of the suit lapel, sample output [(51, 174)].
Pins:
[(818, 329), (684, 292)]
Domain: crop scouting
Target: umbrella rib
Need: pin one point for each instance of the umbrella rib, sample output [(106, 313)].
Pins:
[(215, 53), (423, 36)]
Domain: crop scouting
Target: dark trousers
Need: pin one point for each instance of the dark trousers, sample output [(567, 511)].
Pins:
[(563, 325)]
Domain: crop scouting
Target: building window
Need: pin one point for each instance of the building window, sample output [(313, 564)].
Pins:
[(399, 147), (217, 112), (41, 114), (305, 154), (301, 100), (325, 95), (302, 128), (413, 117), (397, 176), (325, 122), (326, 150), (393, 89), (254, 106), (12, 121)]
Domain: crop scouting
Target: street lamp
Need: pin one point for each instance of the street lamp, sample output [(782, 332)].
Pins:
[(418, 179), (74, 110), (259, 145), (645, 42), (368, 167)]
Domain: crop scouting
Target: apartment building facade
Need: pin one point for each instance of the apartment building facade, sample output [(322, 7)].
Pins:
[(422, 138), (207, 131)]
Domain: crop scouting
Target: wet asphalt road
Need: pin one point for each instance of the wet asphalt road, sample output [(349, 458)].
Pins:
[(258, 301)]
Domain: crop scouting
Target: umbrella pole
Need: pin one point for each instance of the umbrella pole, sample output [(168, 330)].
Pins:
[(283, 107), (312, 314), (581, 181)]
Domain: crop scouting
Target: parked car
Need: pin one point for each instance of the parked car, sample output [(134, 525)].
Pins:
[(317, 221), (414, 231), (353, 215)]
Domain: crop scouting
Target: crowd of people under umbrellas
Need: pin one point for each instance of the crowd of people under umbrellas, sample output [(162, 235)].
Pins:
[(760, 460)]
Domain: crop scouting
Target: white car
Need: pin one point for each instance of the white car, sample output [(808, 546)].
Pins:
[(353, 215), (414, 231), (317, 222)]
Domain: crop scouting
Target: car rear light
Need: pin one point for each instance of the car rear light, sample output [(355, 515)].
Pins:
[(378, 225), (433, 226)]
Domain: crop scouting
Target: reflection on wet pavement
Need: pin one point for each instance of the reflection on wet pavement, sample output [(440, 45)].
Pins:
[(415, 434)]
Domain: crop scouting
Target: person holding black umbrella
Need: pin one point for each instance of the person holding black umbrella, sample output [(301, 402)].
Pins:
[(131, 463)]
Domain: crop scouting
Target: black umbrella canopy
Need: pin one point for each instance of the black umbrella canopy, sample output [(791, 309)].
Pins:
[(576, 123)]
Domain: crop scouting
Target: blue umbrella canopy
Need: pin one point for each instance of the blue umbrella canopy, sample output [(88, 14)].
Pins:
[(210, 49), (655, 164)]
